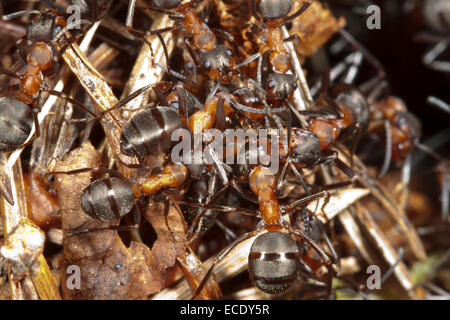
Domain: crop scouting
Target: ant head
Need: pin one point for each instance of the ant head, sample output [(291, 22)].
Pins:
[(274, 9), (281, 86), (93, 198), (273, 262), (409, 123), (218, 61), (305, 147), (16, 121), (166, 4), (350, 97)]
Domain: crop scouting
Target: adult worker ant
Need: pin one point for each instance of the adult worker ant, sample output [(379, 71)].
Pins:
[(40, 49), (268, 35), (216, 59), (121, 195), (274, 259)]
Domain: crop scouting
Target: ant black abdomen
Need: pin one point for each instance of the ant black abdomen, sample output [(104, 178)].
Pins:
[(273, 262), (119, 198), (166, 4), (149, 131), (274, 9), (16, 122)]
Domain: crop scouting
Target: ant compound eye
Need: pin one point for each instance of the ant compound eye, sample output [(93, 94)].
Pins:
[(294, 85), (229, 53), (208, 64), (189, 65), (271, 84)]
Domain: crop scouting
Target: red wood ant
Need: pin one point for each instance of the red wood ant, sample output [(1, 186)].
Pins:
[(216, 59), (40, 49), (121, 195), (274, 259)]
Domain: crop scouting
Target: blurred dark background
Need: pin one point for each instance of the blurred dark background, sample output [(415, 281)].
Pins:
[(401, 55)]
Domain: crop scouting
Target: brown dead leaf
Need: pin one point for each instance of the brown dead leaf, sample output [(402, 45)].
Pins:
[(108, 270), (170, 243), (315, 27), (43, 206)]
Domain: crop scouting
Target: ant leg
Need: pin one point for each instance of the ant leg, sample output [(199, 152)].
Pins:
[(229, 234), (300, 178), (182, 105), (304, 201), (194, 57), (173, 73), (353, 70), (430, 59), (117, 228), (247, 61), (355, 141), (156, 32), (298, 12), (321, 114), (247, 195), (337, 185), (127, 99), (436, 102), (334, 254), (333, 156), (18, 14), (382, 88), (10, 73), (389, 272), (354, 287), (69, 99), (370, 58), (293, 37), (325, 258), (219, 208), (282, 176), (388, 152), (222, 255), (91, 169), (128, 165)]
